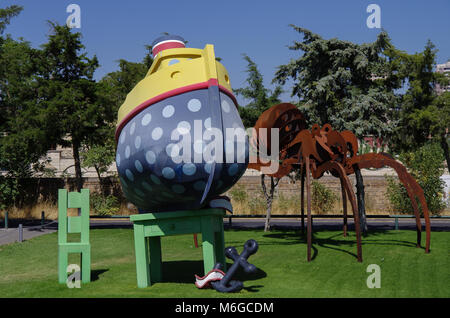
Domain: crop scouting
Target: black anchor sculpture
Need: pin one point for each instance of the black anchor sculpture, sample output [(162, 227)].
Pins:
[(226, 285)]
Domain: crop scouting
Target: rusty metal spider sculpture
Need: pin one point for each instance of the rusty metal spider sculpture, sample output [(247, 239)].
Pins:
[(326, 150)]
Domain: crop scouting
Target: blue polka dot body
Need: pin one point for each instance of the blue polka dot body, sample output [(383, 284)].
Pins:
[(160, 171)]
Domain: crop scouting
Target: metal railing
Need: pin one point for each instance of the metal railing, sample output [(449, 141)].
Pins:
[(402, 216)]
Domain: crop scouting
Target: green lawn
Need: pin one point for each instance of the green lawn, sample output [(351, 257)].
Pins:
[(29, 269)]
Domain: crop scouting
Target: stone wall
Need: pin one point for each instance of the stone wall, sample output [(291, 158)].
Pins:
[(42, 195), (374, 186), (46, 189)]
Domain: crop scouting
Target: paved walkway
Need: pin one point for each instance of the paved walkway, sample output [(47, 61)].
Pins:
[(11, 235)]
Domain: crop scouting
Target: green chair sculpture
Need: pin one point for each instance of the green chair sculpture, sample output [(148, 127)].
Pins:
[(150, 227), (73, 224)]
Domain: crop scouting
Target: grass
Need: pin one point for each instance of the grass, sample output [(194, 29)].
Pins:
[(29, 269)]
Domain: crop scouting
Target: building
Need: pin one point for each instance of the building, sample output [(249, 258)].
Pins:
[(59, 162), (445, 69)]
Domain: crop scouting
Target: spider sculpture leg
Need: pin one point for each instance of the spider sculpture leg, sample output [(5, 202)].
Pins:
[(412, 187), (302, 196), (308, 208), (344, 207), (337, 167)]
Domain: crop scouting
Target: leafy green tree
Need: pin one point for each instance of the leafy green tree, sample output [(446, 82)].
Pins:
[(422, 113), (6, 14), (68, 92), (17, 145), (100, 157), (349, 85), (119, 83), (99, 152), (98, 149), (440, 126), (260, 98), (22, 141)]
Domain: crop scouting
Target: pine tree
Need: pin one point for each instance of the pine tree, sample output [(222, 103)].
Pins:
[(6, 14), (261, 99), (348, 85), (69, 93)]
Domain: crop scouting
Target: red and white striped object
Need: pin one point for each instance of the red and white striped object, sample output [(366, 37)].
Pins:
[(167, 44)]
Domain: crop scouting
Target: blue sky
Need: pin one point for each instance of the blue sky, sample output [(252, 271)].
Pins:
[(120, 29)]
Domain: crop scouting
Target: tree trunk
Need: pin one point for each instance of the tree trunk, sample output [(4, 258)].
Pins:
[(268, 215), (360, 197), (269, 199), (76, 158), (444, 146), (100, 180)]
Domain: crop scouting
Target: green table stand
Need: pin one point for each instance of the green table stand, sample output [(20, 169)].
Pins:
[(73, 224), (150, 227)]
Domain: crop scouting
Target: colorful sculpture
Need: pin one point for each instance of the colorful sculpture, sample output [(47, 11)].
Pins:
[(221, 281), (73, 224), (163, 155), (326, 150)]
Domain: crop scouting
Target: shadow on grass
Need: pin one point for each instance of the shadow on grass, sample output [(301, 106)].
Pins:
[(334, 243), (95, 274), (184, 271)]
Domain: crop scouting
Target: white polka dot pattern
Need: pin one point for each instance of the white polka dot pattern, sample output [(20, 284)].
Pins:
[(154, 173), (137, 142), (194, 105), (146, 119), (168, 111), (150, 157), (189, 169), (157, 133), (168, 173)]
